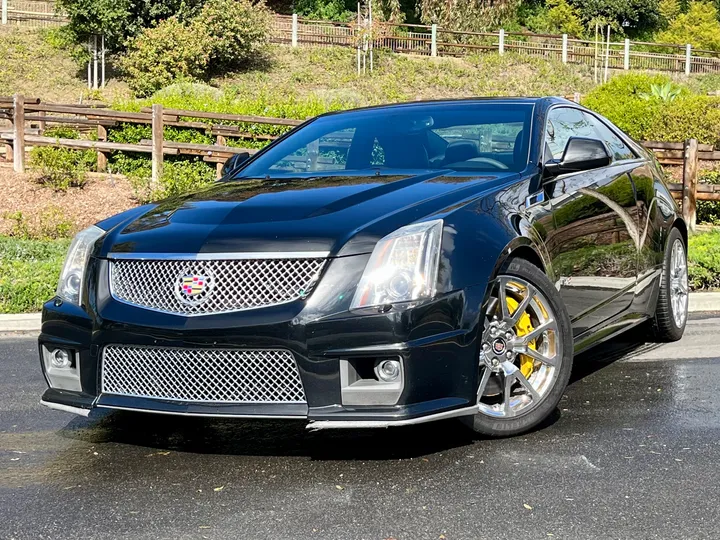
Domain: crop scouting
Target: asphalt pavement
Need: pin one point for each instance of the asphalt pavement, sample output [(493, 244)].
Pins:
[(633, 451)]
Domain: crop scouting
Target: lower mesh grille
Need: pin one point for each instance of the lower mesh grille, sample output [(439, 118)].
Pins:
[(202, 375)]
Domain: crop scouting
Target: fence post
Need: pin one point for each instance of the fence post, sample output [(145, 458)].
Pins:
[(433, 40), (501, 41), (157, 145), (4, 11), (626, 63), (576, 97), (101, 157), (564, 48), (690, 179), (19, 133), (220, 141), (688, 58), (294, 29)]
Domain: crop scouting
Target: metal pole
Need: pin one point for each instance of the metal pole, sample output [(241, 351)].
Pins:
[(607, 55), (433, 40), (95, 62), (564, 48), (595, 68), (688, 58), (626, 63), (90, 64), (358, 41), (501, 41), (103, 59), (4, 11), (294, 30), (372, 39)]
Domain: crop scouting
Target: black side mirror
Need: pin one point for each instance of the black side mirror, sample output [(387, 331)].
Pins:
[(233, 163), (581, 154)]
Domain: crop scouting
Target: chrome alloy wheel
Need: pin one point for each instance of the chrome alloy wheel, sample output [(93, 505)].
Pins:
[(678, 282), (518, 363)]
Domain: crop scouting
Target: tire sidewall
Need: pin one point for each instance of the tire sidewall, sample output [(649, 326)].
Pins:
[(503, 427), (675, 331)]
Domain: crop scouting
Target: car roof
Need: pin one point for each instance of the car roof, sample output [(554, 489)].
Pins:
[(546, 100)]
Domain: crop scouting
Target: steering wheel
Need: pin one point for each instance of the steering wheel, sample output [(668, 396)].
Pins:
[(490, 161)]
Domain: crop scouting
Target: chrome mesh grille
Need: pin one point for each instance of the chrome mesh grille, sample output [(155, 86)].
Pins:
[(228, 285), (202, 375)]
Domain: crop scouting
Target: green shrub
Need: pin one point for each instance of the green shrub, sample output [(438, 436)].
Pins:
[(29, 270), (62, 168), (162, 55), (699, 27), (560, 18), (704, 260), (709, 211), (623, 100), (238, 30)]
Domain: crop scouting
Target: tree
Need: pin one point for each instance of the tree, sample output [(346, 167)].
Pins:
[(699, 27), (669, 9), (561, 18), (475, 15), (119, 20), (632, 16)]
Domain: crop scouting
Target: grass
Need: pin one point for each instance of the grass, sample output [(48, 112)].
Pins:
[(29, 271)]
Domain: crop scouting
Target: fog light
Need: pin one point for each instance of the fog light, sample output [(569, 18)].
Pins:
[(60, 358), (388, 370)]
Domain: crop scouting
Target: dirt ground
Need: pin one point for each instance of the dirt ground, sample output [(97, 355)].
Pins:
[(28, 206)]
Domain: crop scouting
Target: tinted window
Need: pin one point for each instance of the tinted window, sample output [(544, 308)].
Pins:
[(463, 137), (565, 122), (618, 148)]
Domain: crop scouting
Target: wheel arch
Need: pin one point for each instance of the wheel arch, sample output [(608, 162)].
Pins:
[(521, 248), (681, 226)]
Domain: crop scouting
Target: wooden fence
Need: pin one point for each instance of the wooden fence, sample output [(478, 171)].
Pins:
[(29, 118)]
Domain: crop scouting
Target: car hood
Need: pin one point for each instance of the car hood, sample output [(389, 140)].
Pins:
[(342, 215)]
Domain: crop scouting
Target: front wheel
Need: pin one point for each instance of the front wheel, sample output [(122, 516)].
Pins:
[(526, 352)]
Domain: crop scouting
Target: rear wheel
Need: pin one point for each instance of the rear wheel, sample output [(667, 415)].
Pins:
[(526, 352), (672, 306)]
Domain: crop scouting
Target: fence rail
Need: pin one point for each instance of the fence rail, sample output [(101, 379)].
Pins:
[(30, 117)]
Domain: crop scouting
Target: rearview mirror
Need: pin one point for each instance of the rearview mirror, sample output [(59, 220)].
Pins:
[(581, 154), (234, 162)]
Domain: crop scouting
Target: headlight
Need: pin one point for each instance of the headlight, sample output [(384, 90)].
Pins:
[(73, 272), (403, 266)]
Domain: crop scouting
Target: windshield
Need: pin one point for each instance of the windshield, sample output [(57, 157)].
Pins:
[(463, 137)]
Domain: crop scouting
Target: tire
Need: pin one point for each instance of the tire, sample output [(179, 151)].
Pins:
[(514, 422), (669, 322)]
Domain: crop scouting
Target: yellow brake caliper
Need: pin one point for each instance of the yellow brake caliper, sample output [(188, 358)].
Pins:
[(524, 326)]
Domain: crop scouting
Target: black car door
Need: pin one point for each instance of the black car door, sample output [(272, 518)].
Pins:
[(593, 245)]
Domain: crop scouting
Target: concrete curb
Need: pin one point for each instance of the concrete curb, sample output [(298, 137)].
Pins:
[(22, 322), (30, 322)]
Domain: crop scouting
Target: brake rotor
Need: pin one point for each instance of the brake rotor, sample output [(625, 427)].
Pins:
[(524, 326)]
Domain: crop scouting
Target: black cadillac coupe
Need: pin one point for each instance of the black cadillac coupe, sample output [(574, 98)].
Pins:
[(377, 267)]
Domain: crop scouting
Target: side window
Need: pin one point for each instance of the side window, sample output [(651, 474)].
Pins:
[(618, 148), (563, 123), (329, 152)]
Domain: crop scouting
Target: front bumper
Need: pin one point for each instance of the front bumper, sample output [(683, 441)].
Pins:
[(436, 342)]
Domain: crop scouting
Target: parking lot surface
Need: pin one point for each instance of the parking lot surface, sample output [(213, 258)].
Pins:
[(632, 452)]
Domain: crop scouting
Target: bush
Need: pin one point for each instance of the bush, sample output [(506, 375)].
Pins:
[(560, 18), (238, 29), (179, 177), (29, 270), (162, 55), (699, 27), (62, 168), (704, 260), (627, 101), (709, 211)]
